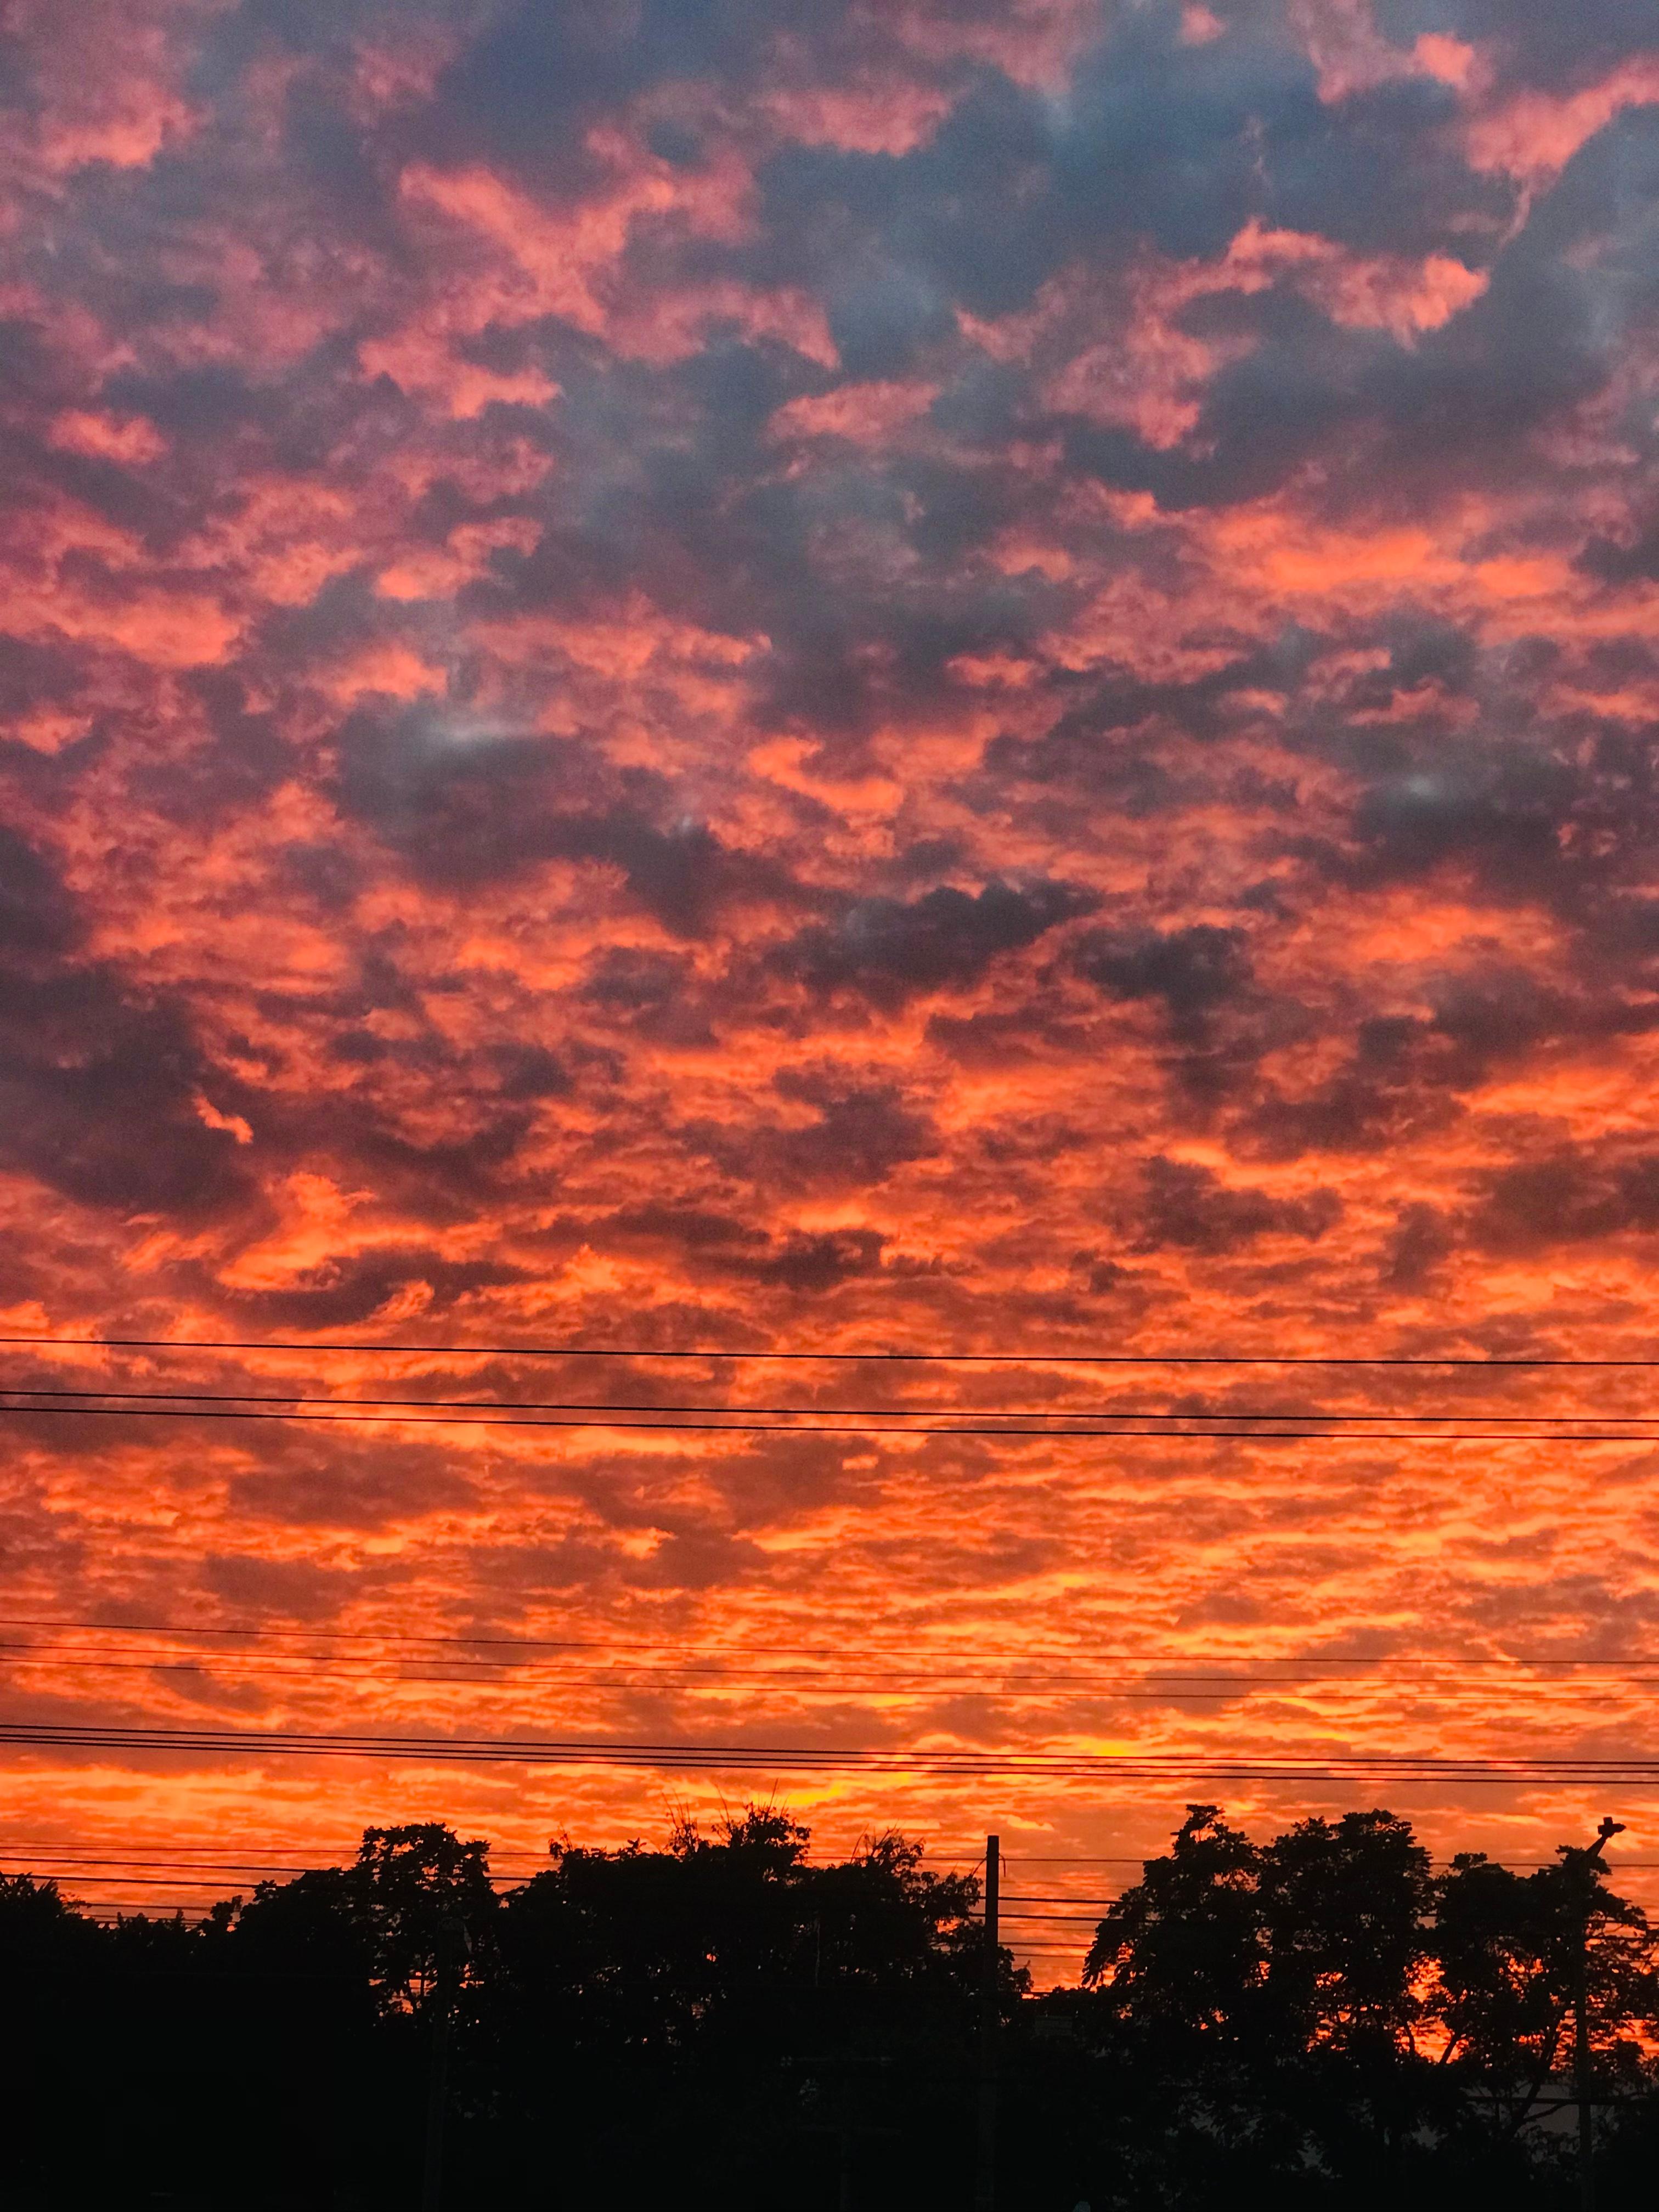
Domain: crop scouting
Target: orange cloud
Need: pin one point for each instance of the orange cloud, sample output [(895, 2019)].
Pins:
[(866, 413), (1534, 133), (825, 702), (108, 437)]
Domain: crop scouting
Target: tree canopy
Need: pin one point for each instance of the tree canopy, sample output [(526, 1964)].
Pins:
[(1318, 2018)]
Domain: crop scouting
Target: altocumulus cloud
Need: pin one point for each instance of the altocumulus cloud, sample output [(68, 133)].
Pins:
[(951, 675)]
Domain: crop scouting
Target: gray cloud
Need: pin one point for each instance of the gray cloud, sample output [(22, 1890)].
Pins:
[(1189, 1208), (888, 950)]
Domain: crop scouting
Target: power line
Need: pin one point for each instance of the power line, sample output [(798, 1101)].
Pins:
[(1169, 1674), (191, 1874), (706, 1682), (1180, 1666), (540, 1858), (117, 1880), (285, 1398), (1042, 1919), (225, 1877), (513, 1643), (40, 1853), (1098, 1858), (1169, 1767), (400, 1420), (67, 1660), (1169, 1680), (926, 1357), (194, 1874)]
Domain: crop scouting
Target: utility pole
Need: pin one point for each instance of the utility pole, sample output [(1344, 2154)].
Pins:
[(1582, 1860), (985, 2177), (452, 1948)]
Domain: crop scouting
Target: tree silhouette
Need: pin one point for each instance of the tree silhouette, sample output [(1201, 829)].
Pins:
[(1320, 2013), (1315, 2018), (1506, 1961)]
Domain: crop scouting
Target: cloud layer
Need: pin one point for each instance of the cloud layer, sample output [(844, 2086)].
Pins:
[(933, 676)]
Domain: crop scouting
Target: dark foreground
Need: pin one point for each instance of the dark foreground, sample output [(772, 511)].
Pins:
[(1318, 2020)]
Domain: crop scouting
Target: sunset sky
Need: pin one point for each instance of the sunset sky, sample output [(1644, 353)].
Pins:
[(967, 678)]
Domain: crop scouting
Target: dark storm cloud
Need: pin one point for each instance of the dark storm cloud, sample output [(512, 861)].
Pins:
[(1392, 1085), (1503, 1012), (1423, 649), (519, 92), (1544, 336), (1569, 1195), (860, 1131), (1170, 142), (846, 660), (692, 1228), (1092, 747), (1498, 809), (1407, 1075), (464, 809), (1382, 173), (1422, 1240), (1117, 733), (860, 1134), (888, 950), (99, 1086), (1635, 560), (299, 1589), (37, 916), (529, 1070), (809, 1265), (1191, 971), (896, 240), (655, 995), (1189, 1208), (1537, 341), (1524, 822), (1157, 140), (719, 1247), (350, 1291)]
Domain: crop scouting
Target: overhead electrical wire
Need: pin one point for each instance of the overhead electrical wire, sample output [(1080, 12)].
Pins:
[(761, 1353), (1321, 1424), (625, 1669), (1325, 1425), (1005, 1912), (683, 1757), (1175, 1666), (1305, 1697), (662, 1412), (539, 1857), (724, 1427), (1057, 1913), (956, 1684), (43, 1855), (1049, 1921), (800, 1686), (47, 1857), (1169, 1673)]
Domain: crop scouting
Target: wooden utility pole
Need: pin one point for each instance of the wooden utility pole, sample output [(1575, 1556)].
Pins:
[(1584, 1861), (985, 2174)]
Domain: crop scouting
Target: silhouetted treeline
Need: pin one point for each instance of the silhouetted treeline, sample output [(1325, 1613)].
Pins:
[(1320, 2019)]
